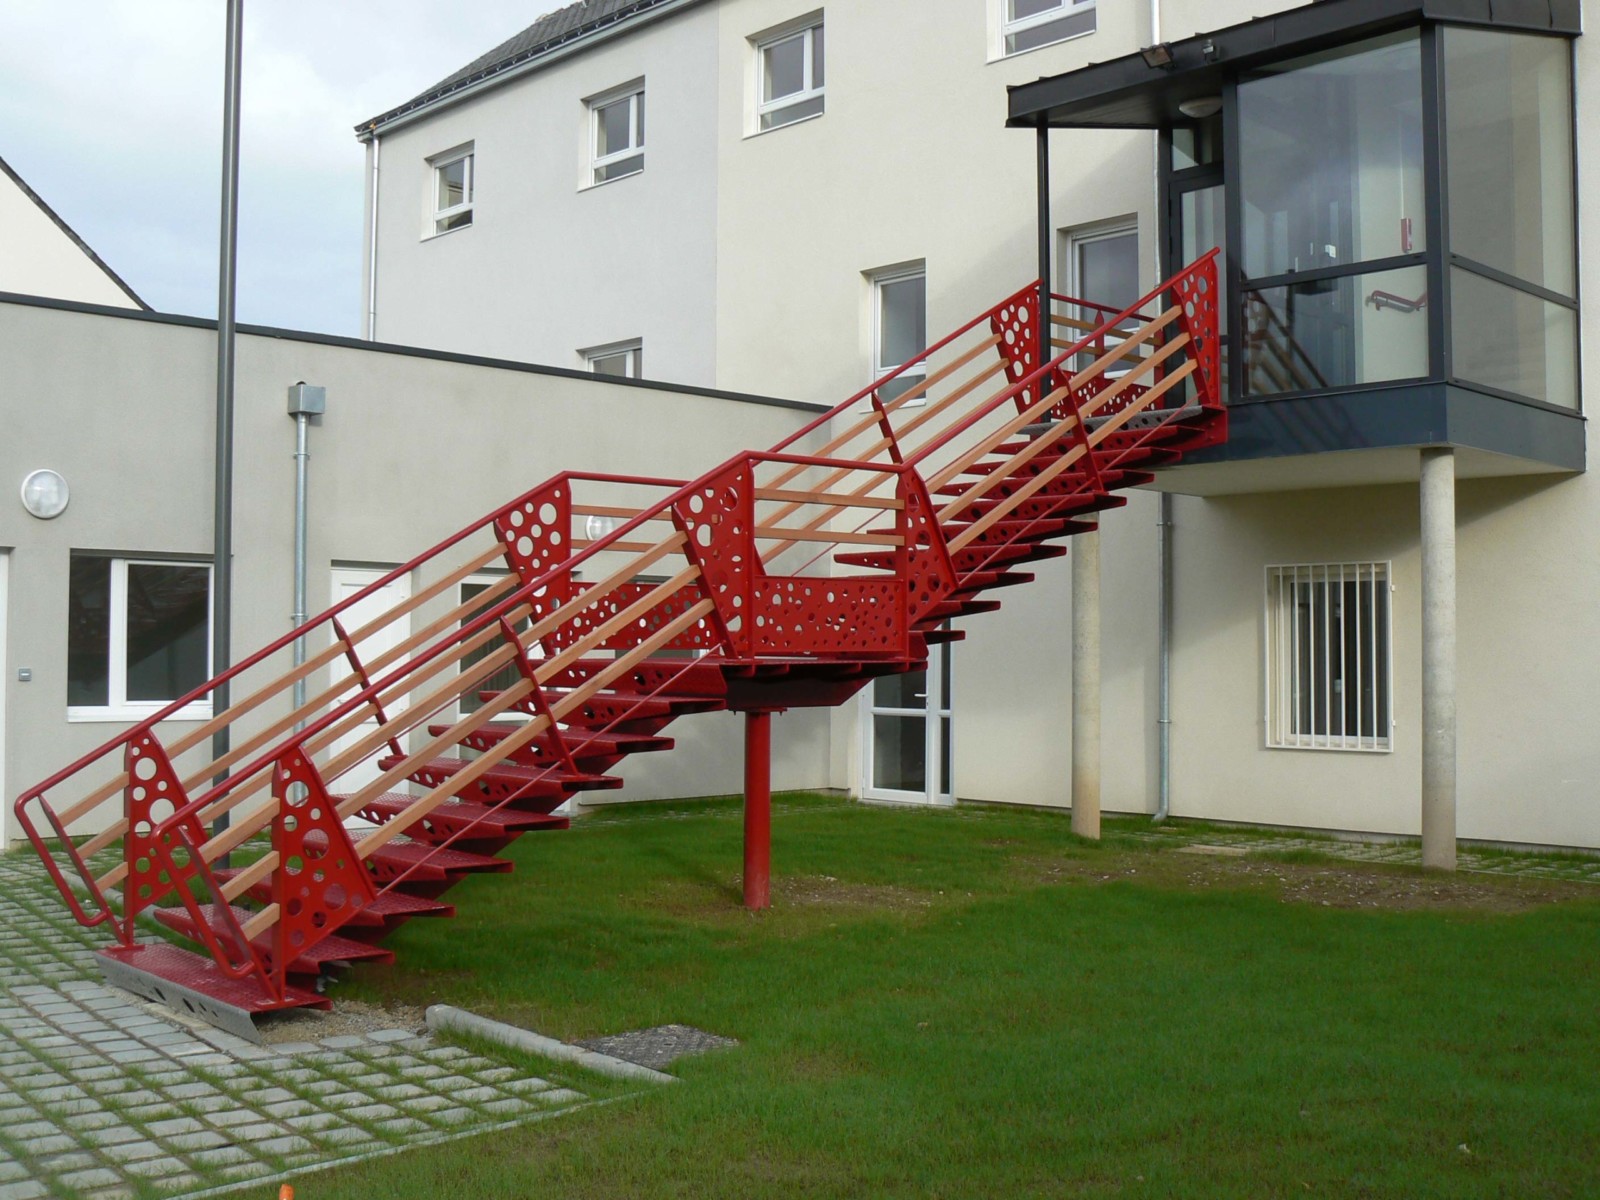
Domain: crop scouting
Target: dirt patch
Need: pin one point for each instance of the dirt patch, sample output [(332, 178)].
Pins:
[(1330, 884), (347, 1017), (825, 891)]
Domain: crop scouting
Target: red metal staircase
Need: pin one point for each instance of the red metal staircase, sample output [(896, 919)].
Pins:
[(565, 631)]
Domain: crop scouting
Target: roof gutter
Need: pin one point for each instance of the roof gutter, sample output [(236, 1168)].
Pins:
[(539, 61)]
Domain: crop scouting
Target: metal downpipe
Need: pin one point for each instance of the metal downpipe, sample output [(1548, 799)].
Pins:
[(302, 456)]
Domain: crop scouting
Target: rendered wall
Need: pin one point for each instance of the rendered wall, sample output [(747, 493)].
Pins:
[(549, 267), (38, 259), (411, 449)]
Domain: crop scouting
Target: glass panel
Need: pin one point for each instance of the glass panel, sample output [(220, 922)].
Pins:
[(783, 68), (452, 184), (1022, 9), (899, 754), (1513, 340), (900, 691), (1197, 145), (902, 320), (1331, 159), (1508, 126), (818, 76), (623, 166), (791, 113), (1336, 332), (460, 220), (89, 631), (505, 677), (945, 756), (611, 364), (1050, 31), (613, 127), (1108, 271), (168, 630), (1204, 220)]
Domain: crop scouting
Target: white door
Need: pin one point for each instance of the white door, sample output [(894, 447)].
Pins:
[(347, 581), (905, 735), (5, 683)]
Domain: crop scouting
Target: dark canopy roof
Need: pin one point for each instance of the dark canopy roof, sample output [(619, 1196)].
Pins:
[(1127, 93)]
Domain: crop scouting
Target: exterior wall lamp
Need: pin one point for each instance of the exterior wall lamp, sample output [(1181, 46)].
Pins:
[(45, 494), (1158, 56)]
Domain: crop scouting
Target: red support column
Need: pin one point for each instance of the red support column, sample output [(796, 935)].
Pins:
[(757, 810)]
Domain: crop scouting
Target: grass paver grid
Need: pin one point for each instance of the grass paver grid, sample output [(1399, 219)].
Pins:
[(100, 1096)]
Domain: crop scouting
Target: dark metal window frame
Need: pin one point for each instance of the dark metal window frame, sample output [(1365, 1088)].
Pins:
[(1438, 258)]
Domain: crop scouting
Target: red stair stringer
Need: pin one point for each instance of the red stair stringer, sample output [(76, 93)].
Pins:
[(561, 634)]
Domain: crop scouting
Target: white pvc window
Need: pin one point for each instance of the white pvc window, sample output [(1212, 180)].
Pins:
[(790, 77), (452, 189), (1029, 24), (138, 636), (899, 328), (1329, 656), (621, 360), (617, 122)]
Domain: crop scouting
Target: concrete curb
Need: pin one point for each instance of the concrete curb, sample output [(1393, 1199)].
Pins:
[(443, 1018)]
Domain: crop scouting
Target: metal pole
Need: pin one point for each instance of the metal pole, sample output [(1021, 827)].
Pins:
[(757, 810), (1439, 658), (302, 457), (227, 289), (1044, 244), (1164, 666)]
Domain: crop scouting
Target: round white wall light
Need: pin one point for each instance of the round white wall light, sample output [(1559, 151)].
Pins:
[(45, 494)]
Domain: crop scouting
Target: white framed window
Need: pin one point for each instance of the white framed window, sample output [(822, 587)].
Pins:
[(1102, 269), (1329, 657), (1028, 24), (452, 175), (138, 636), (790, 73), (507, 676), (621, 360), (616, 124), (899, 327)]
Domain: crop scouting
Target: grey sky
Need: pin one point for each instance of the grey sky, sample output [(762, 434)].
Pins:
[(112, 111)]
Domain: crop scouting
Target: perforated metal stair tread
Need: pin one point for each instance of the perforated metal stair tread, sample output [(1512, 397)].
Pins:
[(424, 863), (332, 948), (532, 780), (463, 818), (580, 743)]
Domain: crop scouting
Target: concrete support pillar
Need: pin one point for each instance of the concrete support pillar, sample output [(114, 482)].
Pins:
[(1085, 555), (1439, 659)]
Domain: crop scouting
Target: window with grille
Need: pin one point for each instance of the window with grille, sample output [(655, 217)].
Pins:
[(1328, 657)]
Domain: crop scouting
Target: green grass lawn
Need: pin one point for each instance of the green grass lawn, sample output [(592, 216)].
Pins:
[(974, 1004)]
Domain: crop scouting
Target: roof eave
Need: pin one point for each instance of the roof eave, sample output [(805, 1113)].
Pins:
[(497, 75), (1147, 97)]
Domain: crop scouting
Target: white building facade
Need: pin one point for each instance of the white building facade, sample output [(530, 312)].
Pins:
[(819, 190)]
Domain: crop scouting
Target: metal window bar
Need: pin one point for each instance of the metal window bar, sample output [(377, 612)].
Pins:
[(1327, 641)]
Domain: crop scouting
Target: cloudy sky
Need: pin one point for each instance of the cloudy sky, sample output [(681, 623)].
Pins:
[(112, 111)]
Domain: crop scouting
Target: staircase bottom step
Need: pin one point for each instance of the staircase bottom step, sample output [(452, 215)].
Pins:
[(188, 983)]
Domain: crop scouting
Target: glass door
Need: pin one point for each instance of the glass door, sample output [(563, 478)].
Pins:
[(1197, 218), (906, 727)]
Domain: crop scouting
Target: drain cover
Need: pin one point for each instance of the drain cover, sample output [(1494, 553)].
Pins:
[(659, 1046)]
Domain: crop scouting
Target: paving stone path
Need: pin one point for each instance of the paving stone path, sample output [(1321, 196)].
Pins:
[(105, 1097), (1577, 868)]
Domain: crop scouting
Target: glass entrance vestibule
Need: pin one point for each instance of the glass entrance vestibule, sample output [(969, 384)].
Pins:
[(1396, 203)]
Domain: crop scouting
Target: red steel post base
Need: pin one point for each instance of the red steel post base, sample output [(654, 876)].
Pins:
[(757, 810)]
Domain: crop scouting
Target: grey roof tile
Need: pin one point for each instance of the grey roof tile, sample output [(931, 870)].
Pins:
[(548, 33)]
